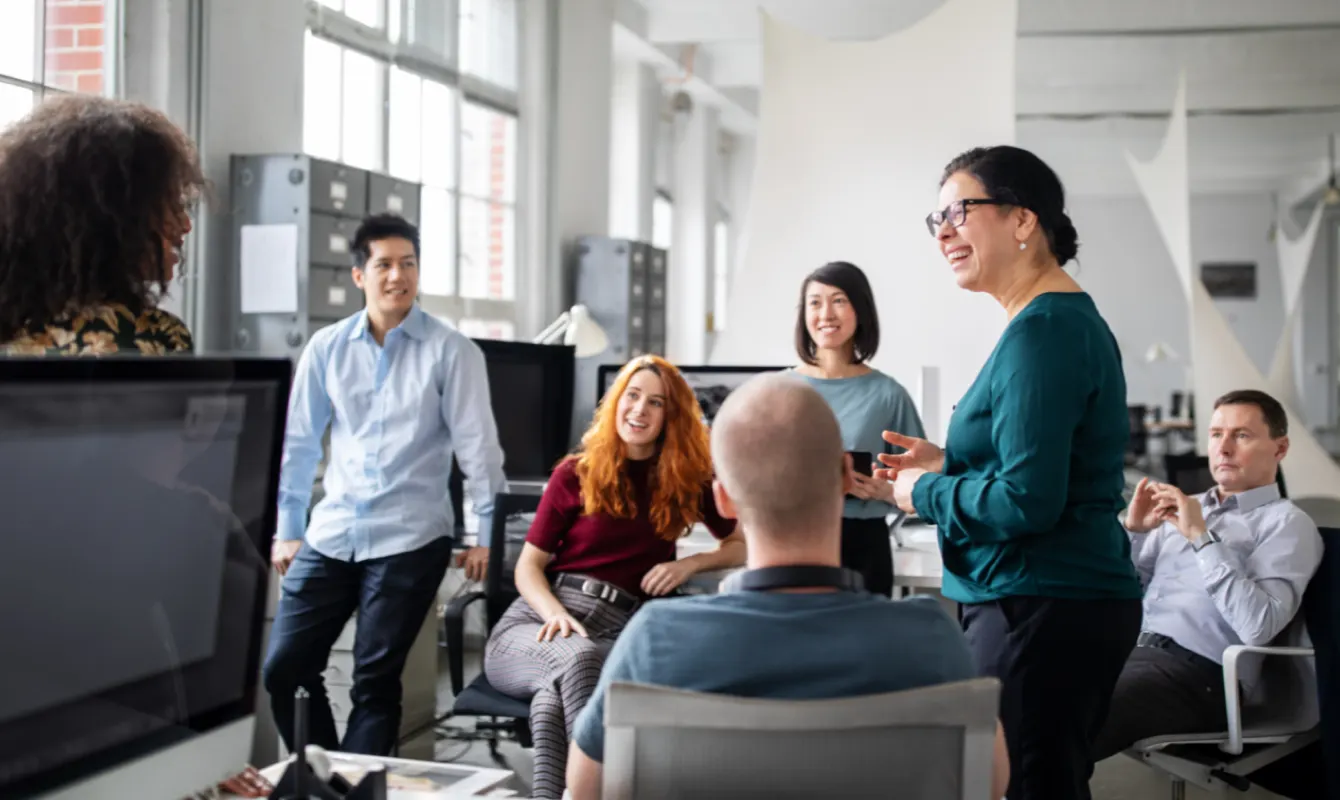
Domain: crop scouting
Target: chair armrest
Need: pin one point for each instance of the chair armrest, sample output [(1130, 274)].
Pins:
[(1233, 693), (453, 625)]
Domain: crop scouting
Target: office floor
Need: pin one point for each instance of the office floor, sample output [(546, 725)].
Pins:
[(1118, 778)]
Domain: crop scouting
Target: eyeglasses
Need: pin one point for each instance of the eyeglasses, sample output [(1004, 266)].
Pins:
[(956, 213)]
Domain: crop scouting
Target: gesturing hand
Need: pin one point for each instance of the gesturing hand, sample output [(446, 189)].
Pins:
[(561, 624), (920, 454)]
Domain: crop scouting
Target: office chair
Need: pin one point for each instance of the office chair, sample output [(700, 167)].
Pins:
[(507, 717), (1304, 708), (1137, 446), (934, 743), (1191, 473)]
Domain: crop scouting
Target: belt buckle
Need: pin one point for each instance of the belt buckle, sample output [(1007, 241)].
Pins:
[(591, 586)]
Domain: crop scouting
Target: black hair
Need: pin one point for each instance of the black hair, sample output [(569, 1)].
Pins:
[(379, 227), (1014, 176), (853, 283), (88, 189), (1276, 418)]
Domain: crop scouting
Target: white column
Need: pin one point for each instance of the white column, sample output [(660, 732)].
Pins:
[(689, 283), (635, 113), (253, 61), (579, 193)]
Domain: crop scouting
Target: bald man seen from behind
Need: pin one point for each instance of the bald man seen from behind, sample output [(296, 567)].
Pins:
[(796, 625)]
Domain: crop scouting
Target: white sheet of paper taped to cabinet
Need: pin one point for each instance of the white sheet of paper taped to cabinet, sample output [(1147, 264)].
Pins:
[(338, 296), (269, 269)]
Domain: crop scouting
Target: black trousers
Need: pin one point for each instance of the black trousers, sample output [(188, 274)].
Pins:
[(318, 595), (866, 549), (1058, 661), (1161, 692)]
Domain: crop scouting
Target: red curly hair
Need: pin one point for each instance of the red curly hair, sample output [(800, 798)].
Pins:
[(683, 466)]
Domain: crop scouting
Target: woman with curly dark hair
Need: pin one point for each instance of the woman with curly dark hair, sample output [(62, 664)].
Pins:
[(94, 204)]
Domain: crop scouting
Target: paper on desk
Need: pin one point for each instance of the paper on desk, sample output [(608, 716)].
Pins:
[(269, 267)]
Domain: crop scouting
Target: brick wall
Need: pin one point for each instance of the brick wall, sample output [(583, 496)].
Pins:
[(75, 52)]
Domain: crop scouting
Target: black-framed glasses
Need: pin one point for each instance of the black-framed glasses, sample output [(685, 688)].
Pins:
[(956, 213)]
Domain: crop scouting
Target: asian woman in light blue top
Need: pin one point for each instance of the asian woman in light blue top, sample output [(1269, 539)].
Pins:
[(837, 332)]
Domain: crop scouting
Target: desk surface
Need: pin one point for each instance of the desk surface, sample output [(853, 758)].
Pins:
[(416, 780), (916, 563)]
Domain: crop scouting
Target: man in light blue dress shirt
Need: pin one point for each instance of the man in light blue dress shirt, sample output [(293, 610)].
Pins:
[(1226, 567), (400, 392)]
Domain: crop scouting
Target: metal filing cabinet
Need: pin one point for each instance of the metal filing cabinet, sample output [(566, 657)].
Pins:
[(622, 284), (326, 202)]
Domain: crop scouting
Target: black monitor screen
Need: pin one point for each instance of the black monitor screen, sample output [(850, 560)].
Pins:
[(517, 389), (138, 511)]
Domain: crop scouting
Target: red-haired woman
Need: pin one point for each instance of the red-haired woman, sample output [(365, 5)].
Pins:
[(603, 541)]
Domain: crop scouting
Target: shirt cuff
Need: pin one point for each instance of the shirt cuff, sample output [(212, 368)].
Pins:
[(921, 494), (1216, 561), (291, 525), (484, 535)]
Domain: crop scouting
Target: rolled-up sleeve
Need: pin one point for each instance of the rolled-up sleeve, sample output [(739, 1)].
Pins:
[(468, 414)]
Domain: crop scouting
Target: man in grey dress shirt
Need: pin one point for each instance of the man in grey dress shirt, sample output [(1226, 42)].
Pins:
[(1226, 567)]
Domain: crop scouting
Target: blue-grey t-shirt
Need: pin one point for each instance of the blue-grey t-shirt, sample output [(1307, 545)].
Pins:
[(865, 407), (780, 645)]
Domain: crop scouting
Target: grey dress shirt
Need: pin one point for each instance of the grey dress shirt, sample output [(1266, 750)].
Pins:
[(1243, 589)]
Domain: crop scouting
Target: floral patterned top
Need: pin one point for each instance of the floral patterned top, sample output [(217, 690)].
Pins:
[(106, 330)]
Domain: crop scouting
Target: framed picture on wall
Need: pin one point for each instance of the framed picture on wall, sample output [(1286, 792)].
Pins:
[(712, 384), (1235, 281)]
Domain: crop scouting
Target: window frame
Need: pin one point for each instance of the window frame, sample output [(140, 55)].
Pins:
[(113, 75), (426, 63)]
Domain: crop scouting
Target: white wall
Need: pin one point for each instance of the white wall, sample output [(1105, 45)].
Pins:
[(1125, 265)]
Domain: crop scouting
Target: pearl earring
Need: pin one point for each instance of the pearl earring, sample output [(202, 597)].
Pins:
[(1023, 245)]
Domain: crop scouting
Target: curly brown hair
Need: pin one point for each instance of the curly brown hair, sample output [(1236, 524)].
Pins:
[(88, 189)]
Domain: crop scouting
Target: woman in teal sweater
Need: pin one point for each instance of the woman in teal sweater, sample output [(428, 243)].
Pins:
[(837, 333), (1027, 490)]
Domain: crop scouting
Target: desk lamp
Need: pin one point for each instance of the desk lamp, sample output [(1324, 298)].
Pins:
[(576, 327)]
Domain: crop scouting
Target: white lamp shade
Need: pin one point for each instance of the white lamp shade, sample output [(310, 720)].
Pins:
[(585, 333)]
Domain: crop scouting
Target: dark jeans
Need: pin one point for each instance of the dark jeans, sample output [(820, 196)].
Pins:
[(866, 549), (318, 594), (1058, 661), (1162, 692)]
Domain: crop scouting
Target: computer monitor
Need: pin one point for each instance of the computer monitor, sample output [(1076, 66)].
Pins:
[(530, 386), (138, 501)]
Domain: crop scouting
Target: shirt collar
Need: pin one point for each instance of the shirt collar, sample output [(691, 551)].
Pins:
[(1245, 501), (413, 326)]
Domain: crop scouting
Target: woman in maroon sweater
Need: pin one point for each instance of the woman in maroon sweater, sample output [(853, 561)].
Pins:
[(602, 542)]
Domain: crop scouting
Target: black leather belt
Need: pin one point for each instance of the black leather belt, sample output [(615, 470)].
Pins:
[(601, 590), (1160, 642)]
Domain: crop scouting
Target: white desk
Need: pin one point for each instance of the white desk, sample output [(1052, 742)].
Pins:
[(916, 565), (416, 780)]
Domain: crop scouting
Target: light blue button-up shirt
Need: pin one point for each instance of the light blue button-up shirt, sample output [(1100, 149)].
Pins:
[(1244, 589), (396, 412)]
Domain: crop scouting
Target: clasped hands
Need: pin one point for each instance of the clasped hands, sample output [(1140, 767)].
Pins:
[(1156, 503), (903, 470)]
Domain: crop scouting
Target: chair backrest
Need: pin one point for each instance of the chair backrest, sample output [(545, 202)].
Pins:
[(931, 743), (1321, 608), (512, 514), (1138, 443)]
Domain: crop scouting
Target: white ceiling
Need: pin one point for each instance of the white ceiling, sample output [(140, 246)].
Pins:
[(1093, 76)]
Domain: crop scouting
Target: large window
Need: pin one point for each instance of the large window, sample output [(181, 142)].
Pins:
[(426, 92), (53, 45)]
